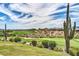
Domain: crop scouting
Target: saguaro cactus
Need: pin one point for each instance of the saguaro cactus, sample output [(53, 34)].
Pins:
[(5, 33), (68, 30)]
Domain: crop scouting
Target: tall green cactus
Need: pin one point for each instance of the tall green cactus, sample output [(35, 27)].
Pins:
[(68, 30), (5, 33)]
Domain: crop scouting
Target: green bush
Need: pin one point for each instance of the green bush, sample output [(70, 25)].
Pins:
[(23, 42), (75, 50), (49, 44), (71, 53), (45, 43), (58, 49), (52, 44), (40, 46), (17, 39), (34, 42), (78, 53), (11, 40), (2, 39)]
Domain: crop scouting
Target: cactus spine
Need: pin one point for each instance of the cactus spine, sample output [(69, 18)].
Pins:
[(5, 33), (68, 30)]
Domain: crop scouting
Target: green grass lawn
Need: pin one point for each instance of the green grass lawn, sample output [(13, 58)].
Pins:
[(60, 41), (74, 43), (18, 49), (19, 32), (23, 32)]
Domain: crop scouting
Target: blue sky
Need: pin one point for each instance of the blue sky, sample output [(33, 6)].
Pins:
[(36, 15)]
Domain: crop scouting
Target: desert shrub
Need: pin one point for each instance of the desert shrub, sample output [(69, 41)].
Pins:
[(71, 53), (23, 42), (40, 45), (77, 53), (34, 42), (49, 44), (2, 39), (45, 43), (17, 39), (58, 49), (12, 35), (74, 50), (52, 44), (11, 40)]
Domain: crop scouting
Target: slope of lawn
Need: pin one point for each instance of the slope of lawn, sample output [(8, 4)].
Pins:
[(74, 43), (18, 49), (61, 42)]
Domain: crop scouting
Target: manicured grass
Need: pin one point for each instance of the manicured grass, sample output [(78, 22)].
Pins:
[(18, 31), (23, 32), (59, 41), (18, 49), (11, 48), (74, 43)]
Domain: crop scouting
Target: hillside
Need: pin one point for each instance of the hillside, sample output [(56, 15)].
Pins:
[(17, 49)]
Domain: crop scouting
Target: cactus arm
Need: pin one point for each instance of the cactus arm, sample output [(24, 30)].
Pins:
[(65, 29), (73, 30)]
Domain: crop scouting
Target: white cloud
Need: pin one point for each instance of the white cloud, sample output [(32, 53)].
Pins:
[(40, 14)]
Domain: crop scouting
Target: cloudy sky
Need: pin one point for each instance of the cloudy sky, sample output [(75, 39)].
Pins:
[(36, 15)]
